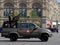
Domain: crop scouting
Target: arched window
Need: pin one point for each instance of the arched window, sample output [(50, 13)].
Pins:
[(8, 9), (23, 10), (37, 8)]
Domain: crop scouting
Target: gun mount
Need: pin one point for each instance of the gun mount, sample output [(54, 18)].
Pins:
[(12, 22)]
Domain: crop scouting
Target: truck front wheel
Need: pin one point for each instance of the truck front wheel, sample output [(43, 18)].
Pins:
[(44, 38), (13, 37)]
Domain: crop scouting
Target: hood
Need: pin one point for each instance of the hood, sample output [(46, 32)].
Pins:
[(41, 30)]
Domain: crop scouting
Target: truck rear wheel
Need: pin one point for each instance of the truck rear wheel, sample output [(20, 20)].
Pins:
[(44, 38), (13, 37)]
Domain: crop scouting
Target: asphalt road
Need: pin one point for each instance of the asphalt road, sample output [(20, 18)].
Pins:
[(55, 40)]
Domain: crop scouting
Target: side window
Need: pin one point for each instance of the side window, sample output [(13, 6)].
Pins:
[(31, 26), (23, 26)]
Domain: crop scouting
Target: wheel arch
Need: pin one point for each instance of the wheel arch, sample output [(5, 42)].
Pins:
[(13, 34), (45, 34)]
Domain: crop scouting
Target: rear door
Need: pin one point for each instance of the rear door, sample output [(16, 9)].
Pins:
[(23, 29)]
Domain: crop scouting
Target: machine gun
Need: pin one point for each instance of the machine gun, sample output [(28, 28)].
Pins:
[(12, 22)]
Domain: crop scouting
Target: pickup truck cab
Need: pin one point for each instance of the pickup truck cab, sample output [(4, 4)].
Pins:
[(25, 30)]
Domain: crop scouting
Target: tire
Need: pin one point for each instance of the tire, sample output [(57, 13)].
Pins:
[(13, 37), (44, 38)]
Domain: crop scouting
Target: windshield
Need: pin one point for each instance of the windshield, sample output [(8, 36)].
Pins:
[(36, 25)]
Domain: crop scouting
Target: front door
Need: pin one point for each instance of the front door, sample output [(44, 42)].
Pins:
[(32, 31)]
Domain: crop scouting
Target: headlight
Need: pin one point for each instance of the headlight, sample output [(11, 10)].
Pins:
[(49, 31)]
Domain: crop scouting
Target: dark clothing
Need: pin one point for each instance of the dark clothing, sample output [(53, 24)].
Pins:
[(53, 29), (0, 29)]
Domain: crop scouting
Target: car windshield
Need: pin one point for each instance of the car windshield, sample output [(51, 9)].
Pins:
[(37, 26)]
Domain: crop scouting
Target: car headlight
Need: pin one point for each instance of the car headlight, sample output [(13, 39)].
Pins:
[(49, 31)]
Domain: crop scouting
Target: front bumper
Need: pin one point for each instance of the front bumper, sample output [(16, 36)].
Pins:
[(50, 35)]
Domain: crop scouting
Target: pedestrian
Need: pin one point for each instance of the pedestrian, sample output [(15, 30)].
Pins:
[(55, 28)]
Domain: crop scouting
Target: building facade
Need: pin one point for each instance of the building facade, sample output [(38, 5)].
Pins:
[(59, 11), (53, 11), (45, 9)]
